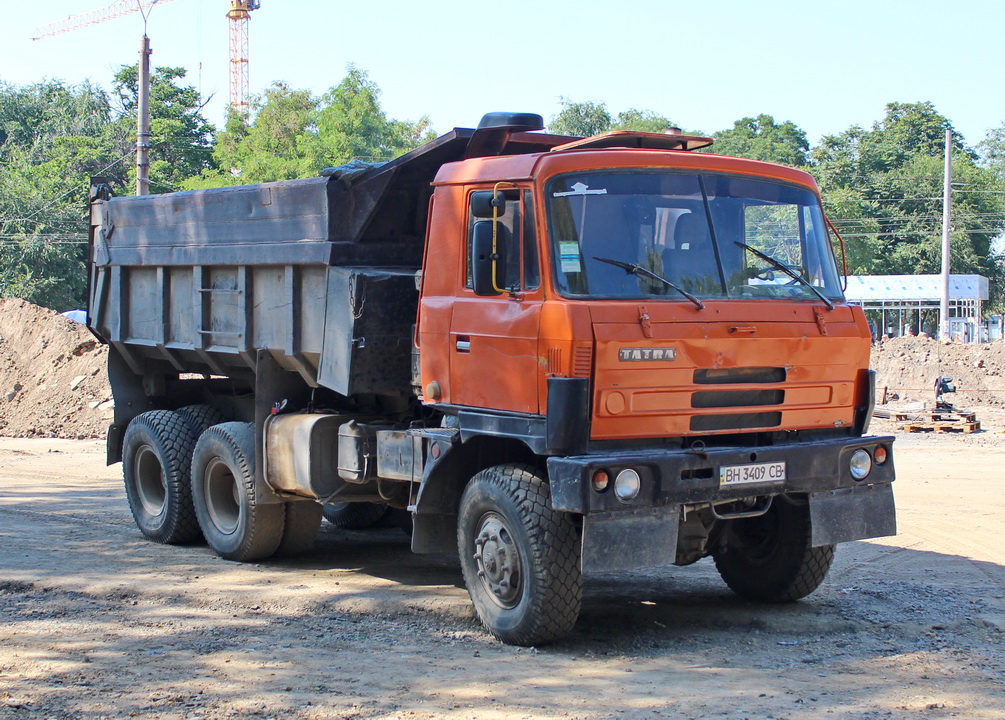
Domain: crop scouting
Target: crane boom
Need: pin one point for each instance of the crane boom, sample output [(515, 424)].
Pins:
[(123, 7)]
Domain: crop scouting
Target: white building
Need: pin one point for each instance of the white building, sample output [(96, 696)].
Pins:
[(909, 304)]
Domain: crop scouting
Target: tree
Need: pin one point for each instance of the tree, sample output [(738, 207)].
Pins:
[(581, 119), (34, 115), (52, 138), (293, 134), (181, 138), (992, 151), (352, 125), (761, 138), (882, 188), (279, 144), (642, 121)]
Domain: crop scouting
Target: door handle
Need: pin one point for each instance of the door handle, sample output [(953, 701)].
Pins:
[(463, 344)]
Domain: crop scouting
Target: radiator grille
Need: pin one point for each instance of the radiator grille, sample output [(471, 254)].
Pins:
[(736, 398), (739, 376), (735, 421)]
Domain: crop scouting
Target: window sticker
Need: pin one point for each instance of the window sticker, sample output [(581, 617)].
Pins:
[(569, 252), (581, 189)]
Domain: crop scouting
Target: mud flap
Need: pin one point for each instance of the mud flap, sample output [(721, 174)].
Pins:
[(852, 514), (630, 539)]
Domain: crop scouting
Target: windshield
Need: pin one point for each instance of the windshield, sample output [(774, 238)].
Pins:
[(611, 231)]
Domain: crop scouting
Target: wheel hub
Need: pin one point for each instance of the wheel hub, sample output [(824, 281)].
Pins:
[(150, 483), (498, 560), (223, 498)]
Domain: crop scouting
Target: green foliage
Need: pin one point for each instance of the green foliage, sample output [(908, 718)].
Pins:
[(34, 115), (280, 144), (581, 119), (181, 138), (51, 141), (883, 190), (642, 121), (992, 151), (352, 125), (292, 134), (761, 138)]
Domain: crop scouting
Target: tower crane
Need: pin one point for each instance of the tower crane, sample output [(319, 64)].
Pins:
[(239, 14)]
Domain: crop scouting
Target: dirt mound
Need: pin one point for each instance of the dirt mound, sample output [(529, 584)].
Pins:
[(52, 375), (908, 366)]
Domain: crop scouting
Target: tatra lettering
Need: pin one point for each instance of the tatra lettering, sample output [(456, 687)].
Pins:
[(646, 354)]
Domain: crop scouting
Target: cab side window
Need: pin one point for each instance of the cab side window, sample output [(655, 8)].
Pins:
[(517, 267)]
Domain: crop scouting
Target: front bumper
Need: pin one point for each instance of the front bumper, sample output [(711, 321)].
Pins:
[(643, 533), (689, 477)]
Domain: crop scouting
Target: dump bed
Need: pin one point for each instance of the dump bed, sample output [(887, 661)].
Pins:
[(203, 281)]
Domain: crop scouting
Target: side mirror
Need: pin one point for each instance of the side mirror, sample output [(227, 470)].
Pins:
[(483, 203), (482, 264)]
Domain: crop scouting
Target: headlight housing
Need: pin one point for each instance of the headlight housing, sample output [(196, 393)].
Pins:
[(627, 485), (860, 464)]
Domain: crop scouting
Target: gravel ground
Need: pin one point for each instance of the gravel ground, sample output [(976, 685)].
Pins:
[(96, 622)]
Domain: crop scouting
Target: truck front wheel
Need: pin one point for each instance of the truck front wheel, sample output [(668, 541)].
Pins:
[(235, 524), (769, 559), (519, 557), (156, 456)]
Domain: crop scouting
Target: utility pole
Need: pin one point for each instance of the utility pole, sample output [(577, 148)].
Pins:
[(143, 119), (946, 209)]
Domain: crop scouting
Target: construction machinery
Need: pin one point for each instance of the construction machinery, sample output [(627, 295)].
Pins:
[(561, 355)]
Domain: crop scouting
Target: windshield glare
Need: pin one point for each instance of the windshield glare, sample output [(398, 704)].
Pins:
[(686, 229)]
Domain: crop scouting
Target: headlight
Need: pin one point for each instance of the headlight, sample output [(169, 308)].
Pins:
[(860, 464), (627, 485)]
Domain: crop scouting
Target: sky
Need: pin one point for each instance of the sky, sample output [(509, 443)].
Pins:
[(823, 66)]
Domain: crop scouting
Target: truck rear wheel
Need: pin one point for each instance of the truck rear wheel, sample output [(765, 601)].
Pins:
[(769, 559), (156, 458), (200, 417), (300, 527), (519, 557), (235, 524)]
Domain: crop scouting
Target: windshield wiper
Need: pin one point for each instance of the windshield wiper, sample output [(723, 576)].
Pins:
[(633, 269), (788, 271)]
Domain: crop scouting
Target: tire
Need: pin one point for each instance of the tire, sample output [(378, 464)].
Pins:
[(769, 558), (156, 460), (234, 523), (200, 418), (519, 557), (300, 528), (354, 515)]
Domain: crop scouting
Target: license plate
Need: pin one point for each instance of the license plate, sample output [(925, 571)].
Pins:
[(771, 472)]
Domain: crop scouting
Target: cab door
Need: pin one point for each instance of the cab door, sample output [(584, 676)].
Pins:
[(494, 339)]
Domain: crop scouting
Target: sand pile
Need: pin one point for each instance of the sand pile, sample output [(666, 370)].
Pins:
[(908, 366), (52, 375)]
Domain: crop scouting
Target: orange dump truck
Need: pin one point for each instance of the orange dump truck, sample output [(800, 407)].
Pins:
[(560, 355)]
